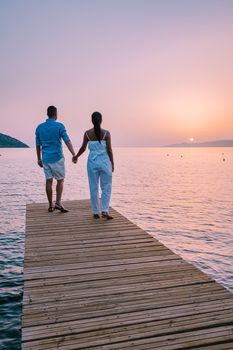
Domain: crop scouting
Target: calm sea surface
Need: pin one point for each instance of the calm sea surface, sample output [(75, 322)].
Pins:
[(183, 197)]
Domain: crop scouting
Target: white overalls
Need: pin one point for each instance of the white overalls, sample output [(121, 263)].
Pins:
[(99, 169)]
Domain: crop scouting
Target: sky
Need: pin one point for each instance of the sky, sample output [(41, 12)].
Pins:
[(159, 71)]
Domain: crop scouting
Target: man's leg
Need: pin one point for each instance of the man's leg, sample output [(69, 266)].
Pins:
[(59, 190), (49, 191)]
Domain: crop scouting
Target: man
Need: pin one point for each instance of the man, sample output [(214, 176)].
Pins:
[(48, 140)]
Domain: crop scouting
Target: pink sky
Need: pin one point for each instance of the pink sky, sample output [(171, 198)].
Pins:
[(159, 71)]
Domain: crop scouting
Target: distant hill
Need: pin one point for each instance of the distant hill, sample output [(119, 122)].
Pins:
[(220, 143), (10, 142)]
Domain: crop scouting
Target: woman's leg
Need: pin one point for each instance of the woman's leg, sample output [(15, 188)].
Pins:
[(93, 177), (106, 188)]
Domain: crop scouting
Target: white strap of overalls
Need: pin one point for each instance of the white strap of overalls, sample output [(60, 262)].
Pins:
[(103, 137)]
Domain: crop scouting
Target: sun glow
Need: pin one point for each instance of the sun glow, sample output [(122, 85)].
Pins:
[(195, 112)]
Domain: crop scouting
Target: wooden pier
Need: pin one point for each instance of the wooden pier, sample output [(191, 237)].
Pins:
[(97, 284)]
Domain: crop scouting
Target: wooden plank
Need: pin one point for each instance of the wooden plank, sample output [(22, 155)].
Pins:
[(109, 285), (106, 336), (64, 313), (106, 275)]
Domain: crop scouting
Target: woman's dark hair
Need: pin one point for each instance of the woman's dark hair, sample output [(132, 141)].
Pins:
[(96, 120)]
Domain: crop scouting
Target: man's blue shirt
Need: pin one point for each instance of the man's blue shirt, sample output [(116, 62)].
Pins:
[(48, 136)]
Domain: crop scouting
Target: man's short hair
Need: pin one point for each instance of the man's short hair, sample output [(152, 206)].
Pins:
[(51, 111)]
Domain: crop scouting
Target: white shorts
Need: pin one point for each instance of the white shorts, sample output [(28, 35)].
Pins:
[(55, 170)]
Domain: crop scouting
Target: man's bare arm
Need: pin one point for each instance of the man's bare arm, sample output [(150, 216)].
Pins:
[(38, 152), (70, 147)]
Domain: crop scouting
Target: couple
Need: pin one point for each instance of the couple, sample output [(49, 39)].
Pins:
[(100, 163)]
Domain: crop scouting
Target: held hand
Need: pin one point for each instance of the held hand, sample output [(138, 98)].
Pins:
[(39, 162), (74, 159)]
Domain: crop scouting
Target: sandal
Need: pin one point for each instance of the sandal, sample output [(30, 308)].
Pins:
[(96, 216), (50, 209), (61, 208), (105, 215)]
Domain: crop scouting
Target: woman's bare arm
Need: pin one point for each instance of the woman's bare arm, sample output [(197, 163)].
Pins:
[(82, 148), (109, 149)]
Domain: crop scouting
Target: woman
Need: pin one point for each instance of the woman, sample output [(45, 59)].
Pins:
[(100, 165)]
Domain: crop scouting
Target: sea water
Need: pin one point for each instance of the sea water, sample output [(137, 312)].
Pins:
[(181, 196)]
